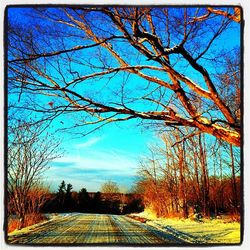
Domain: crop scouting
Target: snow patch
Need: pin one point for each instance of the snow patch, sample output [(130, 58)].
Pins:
[(209, 231)]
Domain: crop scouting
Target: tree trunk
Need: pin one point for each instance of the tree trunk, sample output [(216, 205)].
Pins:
[(198, 190), (182, 182), (205, 181), (234, 186), (21, 221)]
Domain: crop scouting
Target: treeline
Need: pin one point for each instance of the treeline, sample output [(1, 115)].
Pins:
[(190, 177), (65, 200)]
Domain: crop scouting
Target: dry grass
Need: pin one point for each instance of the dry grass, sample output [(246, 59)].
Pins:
[(12, 224), (138, 218), (232, 218), (30, 219)]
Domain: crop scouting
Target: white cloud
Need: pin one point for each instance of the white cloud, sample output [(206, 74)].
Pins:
[(110, 160), (89, 143), (92, 168)]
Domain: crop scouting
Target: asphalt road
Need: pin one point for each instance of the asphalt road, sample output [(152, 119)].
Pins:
[(92, 229)]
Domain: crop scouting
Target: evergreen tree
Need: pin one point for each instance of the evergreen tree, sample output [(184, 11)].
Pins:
[(62, 188), (61, 197), (83, 201), (69, 206)]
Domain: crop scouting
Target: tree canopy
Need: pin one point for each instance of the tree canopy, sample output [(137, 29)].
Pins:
[(110, 187), (170, 66)]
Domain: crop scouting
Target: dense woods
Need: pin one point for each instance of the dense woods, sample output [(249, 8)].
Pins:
[(66, 201), (194, 176)]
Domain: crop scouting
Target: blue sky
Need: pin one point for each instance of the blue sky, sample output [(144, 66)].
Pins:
[(113, 153)]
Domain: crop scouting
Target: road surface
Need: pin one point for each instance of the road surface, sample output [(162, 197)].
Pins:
[(92, 229)]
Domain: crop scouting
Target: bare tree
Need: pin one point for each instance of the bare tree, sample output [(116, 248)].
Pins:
[(30, 150), (205, 176), (231, 160), (149, 179), (110, 189), (230, 13), (191, 176), (181, 152), (36, 198), (111, 64)]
